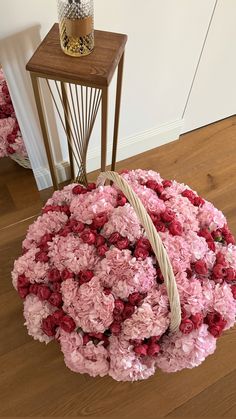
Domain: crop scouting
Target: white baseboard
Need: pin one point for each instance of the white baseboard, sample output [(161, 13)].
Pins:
[(128, 147)]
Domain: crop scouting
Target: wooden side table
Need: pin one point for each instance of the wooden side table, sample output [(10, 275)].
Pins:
[(78, 86)]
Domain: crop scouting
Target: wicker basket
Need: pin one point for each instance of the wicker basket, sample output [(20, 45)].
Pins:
[(21, 160)]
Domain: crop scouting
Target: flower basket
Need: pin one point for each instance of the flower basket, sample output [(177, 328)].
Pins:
[(23, 161), (128, 278)]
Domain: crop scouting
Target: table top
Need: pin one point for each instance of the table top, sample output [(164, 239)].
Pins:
[(95, 69)]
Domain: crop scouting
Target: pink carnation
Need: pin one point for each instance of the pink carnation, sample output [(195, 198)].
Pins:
[(124, 220), (35, 311)]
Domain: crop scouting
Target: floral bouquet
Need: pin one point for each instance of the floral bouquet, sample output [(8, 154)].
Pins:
[(128, 278), (11, 141)]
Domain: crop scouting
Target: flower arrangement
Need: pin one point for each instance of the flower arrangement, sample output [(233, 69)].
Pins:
[(89, 278), (11, 141)]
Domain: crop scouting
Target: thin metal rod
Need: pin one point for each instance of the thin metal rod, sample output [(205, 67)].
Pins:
[(65, 101), (117, 111), (35, 84)]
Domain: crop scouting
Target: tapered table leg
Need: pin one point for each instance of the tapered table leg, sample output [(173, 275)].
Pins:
[(104, 128), (117, 111), (47, 144)]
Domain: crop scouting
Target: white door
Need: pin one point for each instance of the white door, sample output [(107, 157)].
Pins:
[(213, 93)]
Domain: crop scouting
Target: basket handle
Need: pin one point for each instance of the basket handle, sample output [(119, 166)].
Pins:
[(155, 241)]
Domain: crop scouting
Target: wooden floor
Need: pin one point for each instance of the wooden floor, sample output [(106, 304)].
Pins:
[(33, 378)]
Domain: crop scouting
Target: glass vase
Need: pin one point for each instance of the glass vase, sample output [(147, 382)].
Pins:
[(76, 24)]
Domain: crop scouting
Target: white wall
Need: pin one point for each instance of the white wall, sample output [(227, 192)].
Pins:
[(213, 96), (165, 41)]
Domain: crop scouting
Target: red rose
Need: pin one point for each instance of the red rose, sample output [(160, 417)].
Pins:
[(64, 231), (115, 237), (200, 267), (141, 253), (123, 171), (117, 317), (198, 201), (11, 138), (100, 240), (175, 228), (67, 324), (151, 184), (107, 291), (215, 319), (66, 274), (99, 220), (78, 227), (22, 281), (43, 292), (135, 299), (115, 328), (86, 339), (215, 330), (230, 274), (164, 197), (229, 238), (167, 216), (155, 217), (123, 243), (154, 339), (189, 273), (45, 239), (65, 209), (187, 193), (119, 306), (186, 326), (217, 235), (78, 189), (101, 250), (57, 316), (166, 183), (86, 276), (211, 245), (54, 275), (91, 186), (141, 350), (10, 150), (55, 299), (145, 243), (41, 257), (153, 349), (205, 233), (160, 226), (33, 289), (49, 326), (184, 315), (121, 200), (197, 320), (23, 292), (233, 289), (88, 237), (136, 342), (219, 271), (220, 258), (128, 311), (56, 286)]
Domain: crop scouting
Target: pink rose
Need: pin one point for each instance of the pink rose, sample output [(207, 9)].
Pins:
[(54, 275), (88, 237), (67, 324), (197, 320), (175, 228), (55, 299), (123, 243), (153, 349), (115, 328), (200, 267), (49, 326), (141, 253), (186, 326), (141, 350), (43, 292)]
